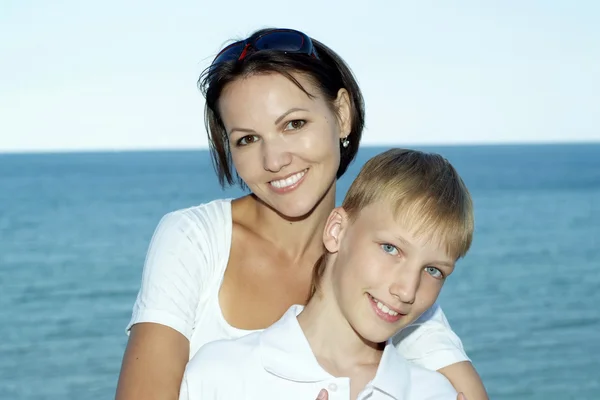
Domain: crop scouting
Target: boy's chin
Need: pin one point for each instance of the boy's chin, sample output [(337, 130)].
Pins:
[(377, 336)]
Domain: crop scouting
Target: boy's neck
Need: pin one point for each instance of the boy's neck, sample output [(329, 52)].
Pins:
[(336, 345)]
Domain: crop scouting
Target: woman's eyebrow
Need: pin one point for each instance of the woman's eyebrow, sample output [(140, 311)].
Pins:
[(285, 114)]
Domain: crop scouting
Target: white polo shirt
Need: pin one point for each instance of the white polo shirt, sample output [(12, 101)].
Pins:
[(278, 363)]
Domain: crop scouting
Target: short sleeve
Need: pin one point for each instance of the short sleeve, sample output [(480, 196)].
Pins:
[(430, 341), (430, 385), (184, 391), (180, 264)]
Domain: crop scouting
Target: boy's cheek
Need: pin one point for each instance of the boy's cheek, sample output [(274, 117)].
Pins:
[(426, 297)]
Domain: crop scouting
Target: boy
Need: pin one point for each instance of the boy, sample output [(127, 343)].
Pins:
[(405, 221)]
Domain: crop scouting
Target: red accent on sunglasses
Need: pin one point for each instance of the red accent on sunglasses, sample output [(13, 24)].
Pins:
[(285, 40)]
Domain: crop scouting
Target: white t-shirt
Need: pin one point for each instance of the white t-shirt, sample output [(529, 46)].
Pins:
[(278, 363), (184, 270)]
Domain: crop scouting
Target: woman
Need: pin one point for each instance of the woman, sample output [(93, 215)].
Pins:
[(285, 113)]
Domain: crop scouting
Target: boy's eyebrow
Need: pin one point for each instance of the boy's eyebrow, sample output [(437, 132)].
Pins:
[(402, 240), (406, 243), (444, 264)]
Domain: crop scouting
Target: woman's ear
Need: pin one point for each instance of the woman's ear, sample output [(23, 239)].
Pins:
[(344, 112), (334, 229)]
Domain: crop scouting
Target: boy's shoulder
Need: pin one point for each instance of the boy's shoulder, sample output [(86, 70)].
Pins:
[(225, 355), (220, 369)]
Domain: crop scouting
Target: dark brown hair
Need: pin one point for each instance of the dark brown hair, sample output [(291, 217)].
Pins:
[(328, 72)]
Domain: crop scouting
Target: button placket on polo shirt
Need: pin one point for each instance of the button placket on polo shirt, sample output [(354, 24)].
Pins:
[(366, 392), (338, 388)]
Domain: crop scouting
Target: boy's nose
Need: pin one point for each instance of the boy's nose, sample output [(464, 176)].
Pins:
[(406, 285)]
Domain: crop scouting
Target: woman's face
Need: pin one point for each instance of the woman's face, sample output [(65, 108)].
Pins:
[(284, 144)]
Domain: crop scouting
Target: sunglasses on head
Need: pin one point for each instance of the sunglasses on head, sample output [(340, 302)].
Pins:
[(285, 40)]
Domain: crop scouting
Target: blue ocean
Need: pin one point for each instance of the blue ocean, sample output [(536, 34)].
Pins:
[(74, 229)]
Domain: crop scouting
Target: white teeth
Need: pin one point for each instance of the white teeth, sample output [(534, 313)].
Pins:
[(384, 308), (283, 183)]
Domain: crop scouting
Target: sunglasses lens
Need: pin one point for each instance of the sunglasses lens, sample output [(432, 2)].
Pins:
[(230, 53), (282, 41), (279, 40)]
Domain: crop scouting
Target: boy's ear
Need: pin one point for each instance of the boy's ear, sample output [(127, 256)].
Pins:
[(334, 229)]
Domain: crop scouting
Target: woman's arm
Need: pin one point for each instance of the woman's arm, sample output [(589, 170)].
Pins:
[(179, 269), (466, 380), (153, 364), (431, 343)]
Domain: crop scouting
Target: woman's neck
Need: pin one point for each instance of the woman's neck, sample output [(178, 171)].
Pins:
[(296, 237)]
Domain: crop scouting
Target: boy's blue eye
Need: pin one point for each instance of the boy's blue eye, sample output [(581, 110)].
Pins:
[(389, 248), (433, 271)]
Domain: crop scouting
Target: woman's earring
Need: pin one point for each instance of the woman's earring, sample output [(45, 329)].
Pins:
[(345, 142)]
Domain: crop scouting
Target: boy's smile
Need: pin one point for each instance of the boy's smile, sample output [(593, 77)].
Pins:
[(385, 312)]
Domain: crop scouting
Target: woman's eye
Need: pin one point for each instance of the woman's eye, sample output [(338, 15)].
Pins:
[(246, 140), (433, 271), (295, 125), (389, 248)]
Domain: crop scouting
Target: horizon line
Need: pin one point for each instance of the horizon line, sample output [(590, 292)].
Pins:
[(366, 145)]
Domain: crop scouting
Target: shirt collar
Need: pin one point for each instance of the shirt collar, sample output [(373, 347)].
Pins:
[(393, 374), (285, 341)]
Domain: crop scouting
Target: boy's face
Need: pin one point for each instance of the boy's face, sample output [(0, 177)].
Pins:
[(383, 275)]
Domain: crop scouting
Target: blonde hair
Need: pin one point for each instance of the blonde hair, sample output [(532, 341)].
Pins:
[(424, 191)]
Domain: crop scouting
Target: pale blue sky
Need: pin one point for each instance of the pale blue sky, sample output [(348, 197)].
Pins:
[(122, 74)]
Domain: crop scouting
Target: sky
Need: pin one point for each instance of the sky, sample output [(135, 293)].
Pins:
[(119, 75)]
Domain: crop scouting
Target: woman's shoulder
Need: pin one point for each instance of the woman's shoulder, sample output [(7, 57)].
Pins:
[(204, 219), (186, 256), (218, 209), (200, 231)]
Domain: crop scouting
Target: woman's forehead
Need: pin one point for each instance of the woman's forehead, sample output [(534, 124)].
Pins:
[(266, 97)]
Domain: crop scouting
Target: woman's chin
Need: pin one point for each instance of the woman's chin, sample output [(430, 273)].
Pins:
[(293, 210)]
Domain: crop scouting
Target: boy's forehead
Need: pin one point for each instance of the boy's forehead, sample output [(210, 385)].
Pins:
[(381, 215), (405, 224), (386, 211), (381, 209), (410, 217)]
